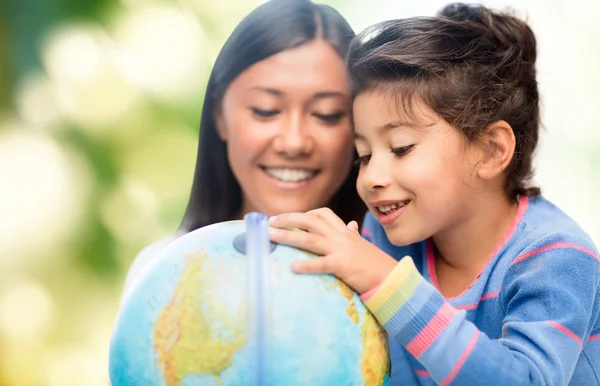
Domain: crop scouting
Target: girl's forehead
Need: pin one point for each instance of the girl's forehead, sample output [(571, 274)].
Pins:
[(380, 112)]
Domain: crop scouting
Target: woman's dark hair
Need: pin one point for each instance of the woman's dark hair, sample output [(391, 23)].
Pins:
[(274, 26), (470, 65)]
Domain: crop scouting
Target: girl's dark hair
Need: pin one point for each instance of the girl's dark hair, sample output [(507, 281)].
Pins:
[(274, 26), (470, 65)]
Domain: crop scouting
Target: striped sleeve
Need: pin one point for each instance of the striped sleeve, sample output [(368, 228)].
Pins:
[(549, 306)]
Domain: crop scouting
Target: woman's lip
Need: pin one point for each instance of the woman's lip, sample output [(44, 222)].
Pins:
[(303, 168), (290, 184)]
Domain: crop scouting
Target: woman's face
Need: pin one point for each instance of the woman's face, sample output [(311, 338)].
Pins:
[(286, 121)]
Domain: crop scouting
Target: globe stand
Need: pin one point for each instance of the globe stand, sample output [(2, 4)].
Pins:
[(256, 245)]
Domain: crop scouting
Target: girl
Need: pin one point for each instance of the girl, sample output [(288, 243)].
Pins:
[(275, 131), (477, 278)]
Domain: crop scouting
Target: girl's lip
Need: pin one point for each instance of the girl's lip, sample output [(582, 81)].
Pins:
[(391, 217)]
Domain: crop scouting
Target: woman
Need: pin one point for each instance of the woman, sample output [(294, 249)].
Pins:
[(275, 132)]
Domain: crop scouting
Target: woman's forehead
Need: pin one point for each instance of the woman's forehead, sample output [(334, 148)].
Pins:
[(314, 67)]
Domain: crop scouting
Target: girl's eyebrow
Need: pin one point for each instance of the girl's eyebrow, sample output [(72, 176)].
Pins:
[(391, 125), (387, 127)]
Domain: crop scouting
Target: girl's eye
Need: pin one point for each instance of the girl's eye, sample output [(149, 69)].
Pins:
[(330, 118), (400, 151), (264, 113), (362, 160)]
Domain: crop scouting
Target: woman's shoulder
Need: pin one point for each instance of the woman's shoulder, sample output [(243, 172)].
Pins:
[(145, 257)]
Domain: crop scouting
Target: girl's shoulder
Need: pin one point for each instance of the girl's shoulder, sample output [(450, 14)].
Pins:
[(545, 224)]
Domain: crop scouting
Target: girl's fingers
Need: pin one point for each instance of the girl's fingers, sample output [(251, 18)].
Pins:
[(296, 238), (306, 221), (329, 216), (317, 265)]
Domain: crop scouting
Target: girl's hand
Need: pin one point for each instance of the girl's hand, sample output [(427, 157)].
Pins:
[(345, 253)]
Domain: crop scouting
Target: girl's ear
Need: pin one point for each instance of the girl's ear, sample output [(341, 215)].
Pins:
[(499, 148)]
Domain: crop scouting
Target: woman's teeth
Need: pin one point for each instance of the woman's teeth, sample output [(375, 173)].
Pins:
[(290, 175), (386, 209)]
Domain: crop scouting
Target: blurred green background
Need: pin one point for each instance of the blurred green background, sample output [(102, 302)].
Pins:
[(99, 109)]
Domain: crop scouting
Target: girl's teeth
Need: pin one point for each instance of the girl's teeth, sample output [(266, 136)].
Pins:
[(290, 175), (385, 209)]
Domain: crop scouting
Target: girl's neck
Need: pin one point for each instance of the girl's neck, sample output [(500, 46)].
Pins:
[(462, 252)]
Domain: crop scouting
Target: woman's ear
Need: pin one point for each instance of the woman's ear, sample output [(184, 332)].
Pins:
[(499, 148)]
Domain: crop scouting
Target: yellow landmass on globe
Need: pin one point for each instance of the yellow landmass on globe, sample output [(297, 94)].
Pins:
[(348, 294), (182, 325), (375, 364)]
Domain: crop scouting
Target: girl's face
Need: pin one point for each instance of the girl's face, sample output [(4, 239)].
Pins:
[(287, 127), (416, 175)]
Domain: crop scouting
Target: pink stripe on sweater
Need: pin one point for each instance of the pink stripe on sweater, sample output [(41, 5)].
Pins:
[(430, 261), (461, 360), (593, 337), (565, 330), (467, 306), (549, 247), (422, 373), (366, 233), (369, 293), (491, 295), (487, 296), (432, 330)]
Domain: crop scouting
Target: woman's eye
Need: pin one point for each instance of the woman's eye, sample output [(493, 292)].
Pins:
[(330, 118), (400, 151), (264, 113)]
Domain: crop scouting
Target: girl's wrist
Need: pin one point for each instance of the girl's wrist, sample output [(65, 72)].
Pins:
[(383, 272)]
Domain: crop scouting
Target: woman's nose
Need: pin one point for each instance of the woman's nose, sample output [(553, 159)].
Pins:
[(295, 138)]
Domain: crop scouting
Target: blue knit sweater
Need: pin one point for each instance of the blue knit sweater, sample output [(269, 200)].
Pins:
[(530, 317)]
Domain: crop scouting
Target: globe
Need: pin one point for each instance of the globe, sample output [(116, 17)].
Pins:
[(221, 306)]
